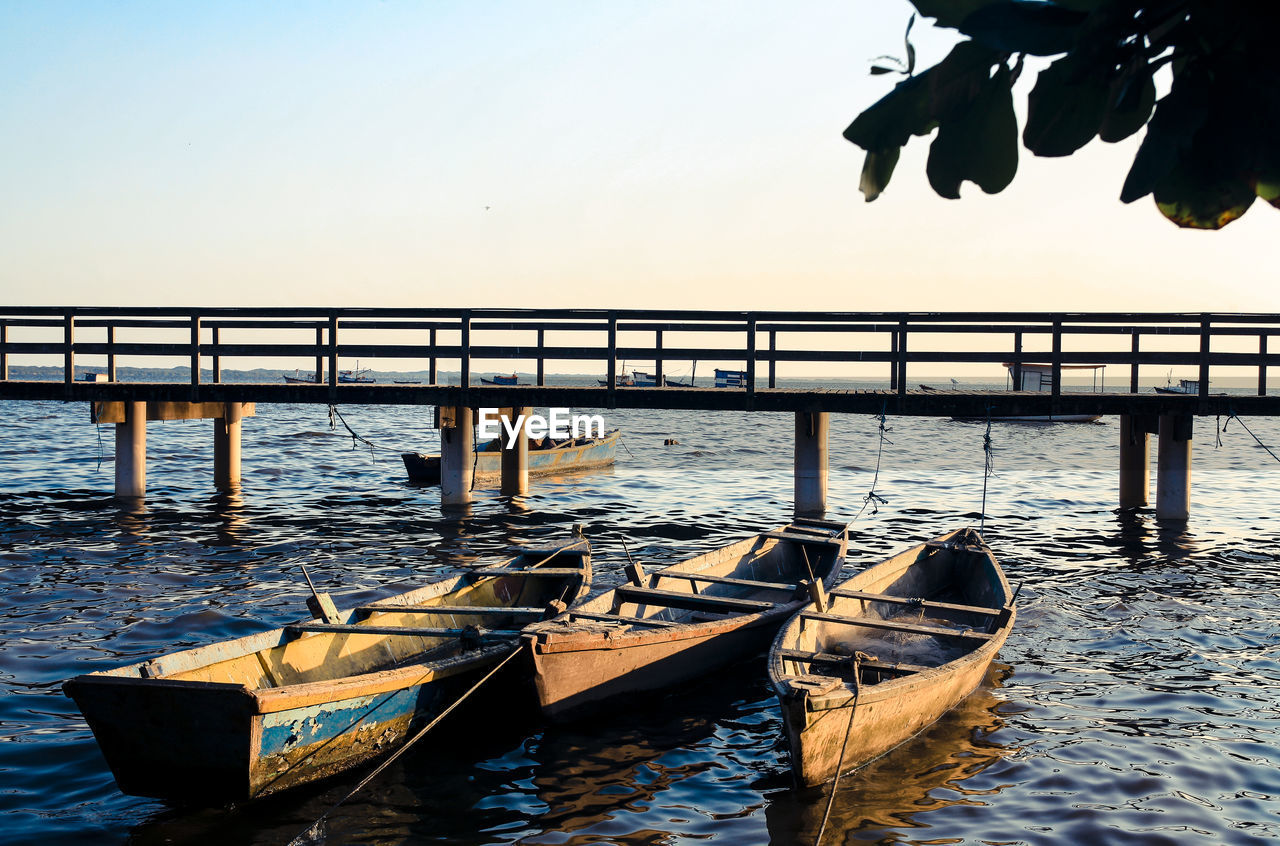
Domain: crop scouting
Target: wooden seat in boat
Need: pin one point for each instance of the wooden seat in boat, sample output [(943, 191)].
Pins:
[(889, 625), (906, 600), (690, 601), (726, 580)]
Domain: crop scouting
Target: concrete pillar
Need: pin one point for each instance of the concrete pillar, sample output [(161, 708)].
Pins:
[(226, 448), (811, 462), (131, 452), (515, 457), (1135, 467), (1173, 468), (457, 459)]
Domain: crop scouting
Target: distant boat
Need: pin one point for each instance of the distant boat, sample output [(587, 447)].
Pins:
[(344, 376), (547, 459), (245, 718), (731, 378), (681, 622), (501, 379), (1039, 378), (407, 381), (1184, 386), (919, 630), (621, 381)]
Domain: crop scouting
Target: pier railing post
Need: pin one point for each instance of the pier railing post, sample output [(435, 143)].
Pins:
[(333, 354), (1056, 386), (319, 355), (611, 370), (1262, 366), (1133, 368), (431, 362), (542, 362), (457, 456), (1205, 336), (893, 360), (811, 462), (464, 378), (902, 358), (226, 447), (751, 359), (217, 359), (69, 348), (1173, 467), (131, 452), (515, 456), (195, 352), (1016, 373), (4, 351), (1135, 468), (658, 378)]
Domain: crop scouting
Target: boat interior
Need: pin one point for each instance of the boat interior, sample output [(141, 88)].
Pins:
[(918, 610), (437, 624), (752, 576)]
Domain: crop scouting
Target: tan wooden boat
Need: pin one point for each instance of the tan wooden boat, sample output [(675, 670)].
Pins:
[(683, 621), (249, 717), (898, 645)]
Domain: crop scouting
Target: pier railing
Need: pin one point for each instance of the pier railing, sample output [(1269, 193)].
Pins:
[(758, 340)]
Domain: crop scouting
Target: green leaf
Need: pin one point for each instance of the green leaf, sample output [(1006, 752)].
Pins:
[(1195, 199), (876, 171), (1065, 109), (980, 145), (1024, 26), (1178, 115), (1129, 106)]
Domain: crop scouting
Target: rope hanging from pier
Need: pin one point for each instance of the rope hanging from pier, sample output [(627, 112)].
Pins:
[(872, 498), (334, 413), (1232, 416), (988, 467)]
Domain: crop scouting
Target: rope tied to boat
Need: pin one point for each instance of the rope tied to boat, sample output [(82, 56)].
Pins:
[(1231, 415), (314, 832), (856, 659), (872, 498)]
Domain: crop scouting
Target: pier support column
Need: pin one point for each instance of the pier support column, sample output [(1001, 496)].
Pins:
[(1135, 466), (515, 457), (226, 448), (131, 452), (1173, 468), (457, 458), (811, 462)]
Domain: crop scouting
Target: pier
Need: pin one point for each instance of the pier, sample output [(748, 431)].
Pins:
[(93, 341)]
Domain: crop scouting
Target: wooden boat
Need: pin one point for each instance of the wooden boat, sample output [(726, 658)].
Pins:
[(344, 376), (571, 456), (500, 379), (1184, 387), (898, 644), (250, 717), (683, 621)]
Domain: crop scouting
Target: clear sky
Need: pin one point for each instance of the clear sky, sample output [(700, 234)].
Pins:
[(604, 153)]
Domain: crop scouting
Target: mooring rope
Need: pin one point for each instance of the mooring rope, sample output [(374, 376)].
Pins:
[(987, 469), (313, 832), (333, 412), (848, 729), (1232, 416), (872, 498)]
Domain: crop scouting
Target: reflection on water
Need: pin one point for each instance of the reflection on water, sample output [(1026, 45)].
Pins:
[(1138, 699)]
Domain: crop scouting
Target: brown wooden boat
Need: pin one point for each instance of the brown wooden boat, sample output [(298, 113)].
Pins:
[(898, 645), (683, 621)]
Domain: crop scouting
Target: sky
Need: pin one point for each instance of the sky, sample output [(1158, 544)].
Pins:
[(683, 154)]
